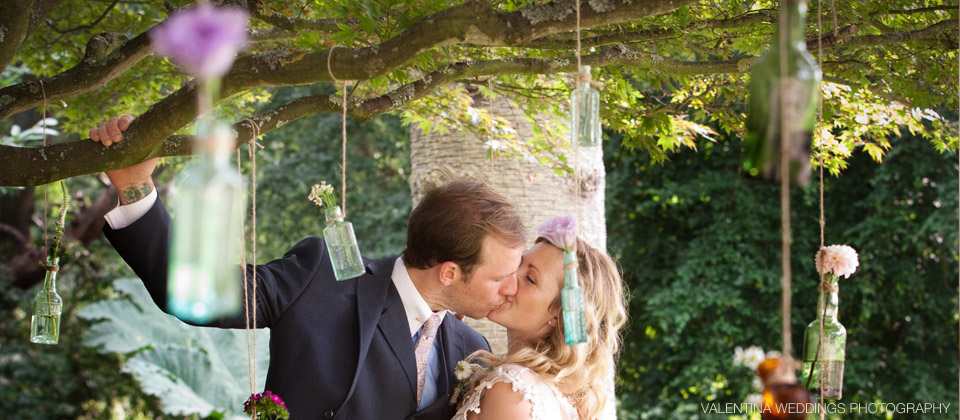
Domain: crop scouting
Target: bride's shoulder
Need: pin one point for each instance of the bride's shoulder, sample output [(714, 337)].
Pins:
[(510, 391)]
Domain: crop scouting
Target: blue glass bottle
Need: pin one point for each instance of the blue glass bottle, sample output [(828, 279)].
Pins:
[(574, 318), (585, 112), (47, 306), (209, 203), (342, 245)]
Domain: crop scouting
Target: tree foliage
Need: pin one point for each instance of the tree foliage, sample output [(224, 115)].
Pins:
[(699, 243), (886, 64)]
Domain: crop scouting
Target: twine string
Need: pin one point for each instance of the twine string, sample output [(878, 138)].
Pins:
[(343, 144), (823, 221), (46, 240), (576, 135), (250, 298), (784, 192)]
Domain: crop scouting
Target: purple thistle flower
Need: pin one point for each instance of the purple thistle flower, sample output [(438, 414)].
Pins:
[(203, 40), (561, 231)]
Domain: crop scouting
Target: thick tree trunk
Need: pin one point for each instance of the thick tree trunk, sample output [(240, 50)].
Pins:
[(536, 191)]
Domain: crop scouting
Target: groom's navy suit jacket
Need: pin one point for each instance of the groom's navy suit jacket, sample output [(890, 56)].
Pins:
[(338, 349)]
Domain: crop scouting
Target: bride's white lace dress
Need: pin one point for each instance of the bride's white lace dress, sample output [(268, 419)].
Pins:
[(547, 403)]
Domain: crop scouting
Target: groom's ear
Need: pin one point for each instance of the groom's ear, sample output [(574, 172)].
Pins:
[(449, 273)]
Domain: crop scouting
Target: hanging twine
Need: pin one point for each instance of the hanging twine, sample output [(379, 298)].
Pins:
[(824, 286), (784, 194), (343, 145), (46, 241), (576, 139), (250, 302)]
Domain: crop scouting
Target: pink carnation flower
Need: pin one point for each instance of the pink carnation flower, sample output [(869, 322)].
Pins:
[(203, 40), (839, 260), (561, 231)]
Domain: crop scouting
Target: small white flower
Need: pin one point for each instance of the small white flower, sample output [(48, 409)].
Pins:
[(752, 357), (465, 370), (755, 400), (738, 356), (757, 383)]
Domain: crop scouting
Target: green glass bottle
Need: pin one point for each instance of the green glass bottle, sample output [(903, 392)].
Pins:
[(209, 203), (574, 318), (342, 245), (825, 361), (800, 91), (47, 306), (585, 112)]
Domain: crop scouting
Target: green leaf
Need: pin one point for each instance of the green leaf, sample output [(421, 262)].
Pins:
[(193, 370)]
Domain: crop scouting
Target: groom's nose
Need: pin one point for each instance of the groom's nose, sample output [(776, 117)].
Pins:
[(509, 286)]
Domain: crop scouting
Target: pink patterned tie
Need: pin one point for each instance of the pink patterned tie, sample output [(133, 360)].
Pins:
[(427, 333)]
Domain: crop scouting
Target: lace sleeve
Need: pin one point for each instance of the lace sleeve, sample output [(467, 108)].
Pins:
[(517, 376)]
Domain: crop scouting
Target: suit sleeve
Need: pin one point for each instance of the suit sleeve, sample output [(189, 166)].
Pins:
[(144, 245)]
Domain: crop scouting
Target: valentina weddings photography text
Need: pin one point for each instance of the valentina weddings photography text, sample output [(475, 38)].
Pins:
[(829, 408)]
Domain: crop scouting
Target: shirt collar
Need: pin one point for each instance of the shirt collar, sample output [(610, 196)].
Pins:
[(417, 309)]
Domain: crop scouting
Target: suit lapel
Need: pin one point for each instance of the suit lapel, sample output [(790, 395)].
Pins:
[(394, 327), (372, 291), (453, 350)]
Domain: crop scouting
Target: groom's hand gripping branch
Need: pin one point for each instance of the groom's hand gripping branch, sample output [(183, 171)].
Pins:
[(134, 182)]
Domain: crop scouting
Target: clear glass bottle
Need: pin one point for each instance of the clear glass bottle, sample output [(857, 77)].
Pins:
[(47, 306), (574, 318), (801, 94), (585, 112), (209, 205), (825, 361), (342, 245)]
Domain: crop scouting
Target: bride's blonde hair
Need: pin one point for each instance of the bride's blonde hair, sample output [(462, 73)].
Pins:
[(578, 371)]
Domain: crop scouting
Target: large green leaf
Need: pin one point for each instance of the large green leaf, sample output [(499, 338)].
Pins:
[(191, 369)]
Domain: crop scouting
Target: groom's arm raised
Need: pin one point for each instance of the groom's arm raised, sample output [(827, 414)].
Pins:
[(134, 182), (139, 229)]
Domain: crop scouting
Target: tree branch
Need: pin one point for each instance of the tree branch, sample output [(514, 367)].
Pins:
[(147, 135), (899, 37), (88, 75), (14, 24), (831, 40), (470, 22), (82, 27), (293, 24), (650, 34)]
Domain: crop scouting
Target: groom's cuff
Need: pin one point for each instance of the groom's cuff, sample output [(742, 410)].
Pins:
[(123, 216)]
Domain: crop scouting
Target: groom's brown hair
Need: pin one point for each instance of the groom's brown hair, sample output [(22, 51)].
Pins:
[(452, 220)]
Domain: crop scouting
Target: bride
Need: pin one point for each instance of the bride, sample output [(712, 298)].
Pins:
[(541, 377)]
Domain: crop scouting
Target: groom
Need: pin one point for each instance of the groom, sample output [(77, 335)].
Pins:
[(379, 346)]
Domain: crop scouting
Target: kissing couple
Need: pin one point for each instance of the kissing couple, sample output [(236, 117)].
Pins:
[(388, 344)]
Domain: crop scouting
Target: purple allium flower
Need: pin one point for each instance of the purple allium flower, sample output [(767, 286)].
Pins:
[(561, 231), (203, 39)]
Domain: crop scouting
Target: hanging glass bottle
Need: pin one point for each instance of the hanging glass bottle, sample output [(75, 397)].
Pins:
[(801, 89), (47, 306), (574, 318), (342, 245), (585, 111), (824, 361), (209, 203)]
